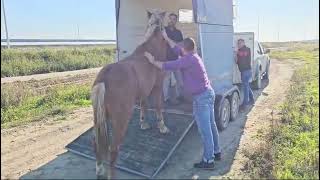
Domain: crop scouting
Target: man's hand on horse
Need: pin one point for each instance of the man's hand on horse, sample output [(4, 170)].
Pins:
[(152, 61), (149, 57), (170, 41), (164, 34)]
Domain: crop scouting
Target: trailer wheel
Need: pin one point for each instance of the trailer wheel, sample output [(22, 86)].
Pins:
[(224, 114), (235, 101)]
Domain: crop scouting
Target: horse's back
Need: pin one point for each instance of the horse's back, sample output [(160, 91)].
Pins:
[(120, 81), (118, 70)]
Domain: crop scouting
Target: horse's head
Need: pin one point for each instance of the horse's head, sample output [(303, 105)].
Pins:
[(153, 41), (155, 23)]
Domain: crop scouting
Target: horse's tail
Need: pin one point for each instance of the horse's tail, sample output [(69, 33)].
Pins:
[(102, 128)]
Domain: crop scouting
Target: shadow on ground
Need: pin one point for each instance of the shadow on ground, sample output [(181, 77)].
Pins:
[(180, 166)]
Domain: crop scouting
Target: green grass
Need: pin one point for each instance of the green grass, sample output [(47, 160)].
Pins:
[(27, 61), (290, 150), (20, 105), (291, 45), (306, 55), (296, 140)]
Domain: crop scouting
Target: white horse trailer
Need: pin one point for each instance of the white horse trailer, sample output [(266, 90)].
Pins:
[(209, 22)]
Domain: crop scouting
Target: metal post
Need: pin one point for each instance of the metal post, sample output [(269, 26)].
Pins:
[(5, 24), (78, 31), (258, 28), (278, 33)]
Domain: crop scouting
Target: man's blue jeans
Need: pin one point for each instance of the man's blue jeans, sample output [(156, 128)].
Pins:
[(245, 78), (203, 111)]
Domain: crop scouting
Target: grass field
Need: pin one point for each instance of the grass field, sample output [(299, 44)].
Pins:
[(292, 148), (291, 45), (37, 60), (296, 140), (21, 104)]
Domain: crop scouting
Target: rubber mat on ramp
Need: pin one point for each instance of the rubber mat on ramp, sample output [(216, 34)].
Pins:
[(143, 152)]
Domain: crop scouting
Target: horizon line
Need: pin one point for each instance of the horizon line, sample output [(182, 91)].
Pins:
[(56, 40)]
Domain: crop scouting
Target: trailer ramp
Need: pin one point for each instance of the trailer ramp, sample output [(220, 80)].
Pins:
[(143, 153)]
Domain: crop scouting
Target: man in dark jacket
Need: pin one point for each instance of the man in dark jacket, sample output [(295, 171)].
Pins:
[(173, 80), (244, 64)]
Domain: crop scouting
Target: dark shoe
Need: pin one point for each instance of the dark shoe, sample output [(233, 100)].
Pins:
[(204, 165), (217, 157)]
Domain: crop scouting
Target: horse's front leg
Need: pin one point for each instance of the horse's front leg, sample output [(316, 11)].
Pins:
[(143, 124), (157, 94)]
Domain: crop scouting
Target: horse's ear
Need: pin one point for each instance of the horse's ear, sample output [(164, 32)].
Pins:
[(162, 15), (149, 14)]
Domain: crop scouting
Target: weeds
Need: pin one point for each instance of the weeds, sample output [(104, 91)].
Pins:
[(27, 61), (19, 106), (296, 144), (292, 146)]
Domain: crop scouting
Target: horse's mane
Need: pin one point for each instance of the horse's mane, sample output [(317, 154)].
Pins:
[(141, 48)]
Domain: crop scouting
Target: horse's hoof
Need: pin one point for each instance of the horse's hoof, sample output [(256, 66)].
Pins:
[(145, 126), (164, 130)]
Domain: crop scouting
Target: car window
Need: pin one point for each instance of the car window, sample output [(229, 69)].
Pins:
[(185, 16), (256, 49), (261, 49)]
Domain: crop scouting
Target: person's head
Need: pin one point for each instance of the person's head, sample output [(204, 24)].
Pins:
[(188, 45), (241, 43), (173, 18)]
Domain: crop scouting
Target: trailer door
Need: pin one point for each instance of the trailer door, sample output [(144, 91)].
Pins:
[(215, 22), (248, 38)]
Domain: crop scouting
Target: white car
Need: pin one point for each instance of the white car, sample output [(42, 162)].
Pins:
[(260, 60), (261, 64)]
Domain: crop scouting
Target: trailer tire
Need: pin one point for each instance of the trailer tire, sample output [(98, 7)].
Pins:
[(235, 102), (224, 114)]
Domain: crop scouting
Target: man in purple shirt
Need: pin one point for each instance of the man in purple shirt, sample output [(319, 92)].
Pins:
[(196, 82)]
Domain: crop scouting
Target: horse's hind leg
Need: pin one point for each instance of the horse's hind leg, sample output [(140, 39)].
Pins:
[(119, 126), (157, 94), (143, 124)]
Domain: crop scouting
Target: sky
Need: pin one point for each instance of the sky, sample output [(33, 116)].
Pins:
[(271, 20)]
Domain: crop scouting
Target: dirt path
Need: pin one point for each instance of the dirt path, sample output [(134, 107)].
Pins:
[(54, 75), (37, 151)]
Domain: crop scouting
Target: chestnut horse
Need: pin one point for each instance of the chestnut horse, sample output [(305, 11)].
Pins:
[(116, 89)]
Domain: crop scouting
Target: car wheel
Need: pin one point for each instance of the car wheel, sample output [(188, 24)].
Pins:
[(266, 75), (235, 102), (257, 82), (224, 115)]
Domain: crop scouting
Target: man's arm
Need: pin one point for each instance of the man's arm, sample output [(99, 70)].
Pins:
[(171, 43), (180, 63), (180, 36), (249, 51), (235, 56), (177, 50)]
